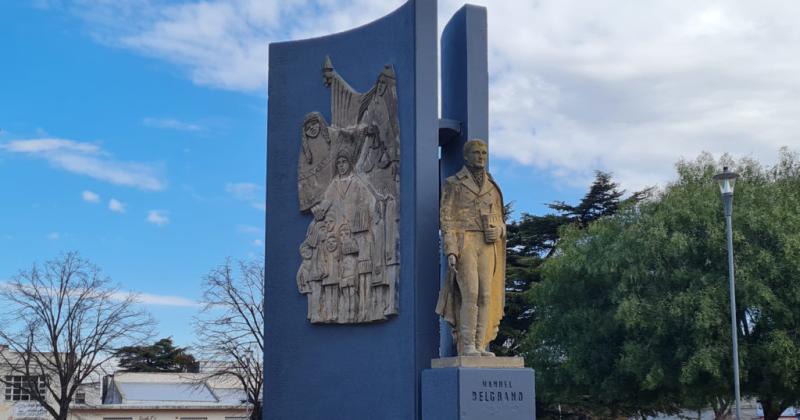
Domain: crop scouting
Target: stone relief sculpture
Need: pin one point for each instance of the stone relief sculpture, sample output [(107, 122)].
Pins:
[(348, 178), (473, 235)]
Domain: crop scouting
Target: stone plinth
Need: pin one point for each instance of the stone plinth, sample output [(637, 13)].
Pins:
[(461, 393), (478, 362)]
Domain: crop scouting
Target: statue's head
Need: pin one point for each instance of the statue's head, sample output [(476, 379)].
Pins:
[(344, 159), (384, 79), (372, 135), (314, 125), (327, 72), (331, 243), (342, 165), (345, 232), (476, 154), (330, 224), (312, 128)]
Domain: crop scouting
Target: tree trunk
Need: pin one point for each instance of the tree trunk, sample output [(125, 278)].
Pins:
[(722, 410), (772, 409), (256, 413), (723, 415)]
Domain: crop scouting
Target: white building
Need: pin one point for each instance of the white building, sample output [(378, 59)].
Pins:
[(162, 396), (132, 396), (16, 403)]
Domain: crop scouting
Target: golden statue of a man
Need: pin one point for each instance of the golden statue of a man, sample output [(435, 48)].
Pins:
[(474, 237)]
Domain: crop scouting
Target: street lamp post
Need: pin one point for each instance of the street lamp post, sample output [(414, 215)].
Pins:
[(726, 181)]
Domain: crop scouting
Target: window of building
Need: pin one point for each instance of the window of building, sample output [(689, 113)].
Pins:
[(237, 418), (80, 398), (117, 418), (194, 418), (14, 387)]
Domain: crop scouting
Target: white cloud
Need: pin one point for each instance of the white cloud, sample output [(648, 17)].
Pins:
[(53, 236), (116, 206), (577, 87), (141, 298), (150, 299), (171, 124), (222, 43), (50, 145), (157, 217), (248, 192), (243, 190), (153, 299), (258, 242), (250, 230), (627, 87), (90, 160), (90, 196)]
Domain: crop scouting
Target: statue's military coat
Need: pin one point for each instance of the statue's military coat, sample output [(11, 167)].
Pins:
[(466, 207)]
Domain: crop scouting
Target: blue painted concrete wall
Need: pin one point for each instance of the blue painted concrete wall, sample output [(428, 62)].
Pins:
[(353, 371)]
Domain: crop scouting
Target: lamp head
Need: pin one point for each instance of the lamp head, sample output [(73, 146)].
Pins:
[(726, 180)]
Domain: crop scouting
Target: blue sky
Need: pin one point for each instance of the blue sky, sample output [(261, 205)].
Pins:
[(134, 131), (160, 143), (192, 154)]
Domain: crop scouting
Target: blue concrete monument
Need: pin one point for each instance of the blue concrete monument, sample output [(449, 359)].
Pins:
[(352, 240)]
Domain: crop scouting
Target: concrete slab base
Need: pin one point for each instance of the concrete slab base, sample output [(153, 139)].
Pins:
[(478, 362), (459, 393)]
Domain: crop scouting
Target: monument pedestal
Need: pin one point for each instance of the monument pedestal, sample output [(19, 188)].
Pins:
[(478, 388)]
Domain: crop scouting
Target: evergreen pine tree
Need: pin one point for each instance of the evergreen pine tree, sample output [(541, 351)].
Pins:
[(532, 239), (161, 356)]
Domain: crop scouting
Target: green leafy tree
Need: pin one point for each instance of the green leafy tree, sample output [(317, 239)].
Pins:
[(633, 311), (161, 356), (533, 239), (576, 342)]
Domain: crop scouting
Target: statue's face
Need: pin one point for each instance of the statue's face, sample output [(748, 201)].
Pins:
[(330, 225), (381, 86), (372, 136), (312, 129), (331, 243), (477, 156), (342, 165)]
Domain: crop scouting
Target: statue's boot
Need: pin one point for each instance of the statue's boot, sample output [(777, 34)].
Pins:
[(468, 350), (468, 317), (466, 343), (480, 334)]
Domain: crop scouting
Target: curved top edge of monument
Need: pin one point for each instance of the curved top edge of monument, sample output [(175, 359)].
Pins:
[(396, 11)]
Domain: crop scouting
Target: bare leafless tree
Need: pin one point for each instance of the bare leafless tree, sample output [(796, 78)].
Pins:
[(61, 322), (230, 328)]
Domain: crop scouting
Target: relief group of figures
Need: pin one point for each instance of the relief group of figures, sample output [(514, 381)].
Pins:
[(348, 180)]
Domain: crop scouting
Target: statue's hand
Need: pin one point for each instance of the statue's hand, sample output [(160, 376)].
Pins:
[(319, 211), (491, 234), (451, 261)]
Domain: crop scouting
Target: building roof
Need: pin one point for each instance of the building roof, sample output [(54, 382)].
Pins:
[(147, 392), (231, 395), (172, 390)]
